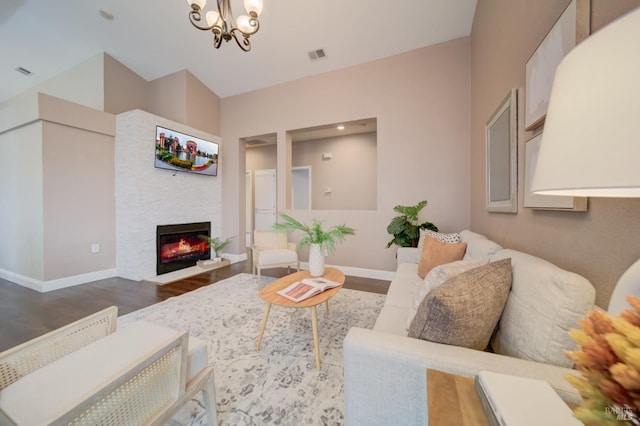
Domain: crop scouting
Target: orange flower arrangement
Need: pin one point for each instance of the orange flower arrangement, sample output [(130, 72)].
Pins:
[(608, 356)]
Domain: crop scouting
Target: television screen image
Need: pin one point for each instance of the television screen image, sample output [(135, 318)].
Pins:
[(185, 153)]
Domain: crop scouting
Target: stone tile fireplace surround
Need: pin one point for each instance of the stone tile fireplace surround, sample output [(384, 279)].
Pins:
[(147, 197)]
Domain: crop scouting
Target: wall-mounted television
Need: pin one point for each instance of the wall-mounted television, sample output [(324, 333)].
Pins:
[(185, 153)]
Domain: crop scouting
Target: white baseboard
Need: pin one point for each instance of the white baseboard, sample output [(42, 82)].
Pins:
[(235, 258), (375, 274), (44, 286)]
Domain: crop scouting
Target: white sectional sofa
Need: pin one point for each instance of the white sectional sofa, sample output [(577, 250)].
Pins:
[(385, 371)]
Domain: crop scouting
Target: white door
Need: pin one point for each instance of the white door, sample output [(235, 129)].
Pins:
[(265, 199), (301, 188), (248, 192)]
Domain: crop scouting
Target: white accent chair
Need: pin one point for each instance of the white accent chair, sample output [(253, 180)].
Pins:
[(272, 250), (88, 373)]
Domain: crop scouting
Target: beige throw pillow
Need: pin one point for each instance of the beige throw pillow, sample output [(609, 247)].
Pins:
[(445, 238), (438, 276), (464, 311), (436, 253)]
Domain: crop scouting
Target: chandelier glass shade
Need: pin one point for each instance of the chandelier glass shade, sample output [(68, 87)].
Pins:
[(222, 23)]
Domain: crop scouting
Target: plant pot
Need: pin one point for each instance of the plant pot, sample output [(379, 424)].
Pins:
[(316, 260)]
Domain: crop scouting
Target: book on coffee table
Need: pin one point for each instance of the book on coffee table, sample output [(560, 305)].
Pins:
[(308, 287)]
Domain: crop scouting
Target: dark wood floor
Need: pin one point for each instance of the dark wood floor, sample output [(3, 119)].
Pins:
[(25, 313)]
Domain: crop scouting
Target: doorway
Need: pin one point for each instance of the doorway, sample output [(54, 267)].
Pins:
[(301, 188), (265, 199), (248, 194), (260, 183)]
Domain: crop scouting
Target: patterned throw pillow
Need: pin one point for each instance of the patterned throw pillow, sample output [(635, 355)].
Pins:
[(436, 253), (445, 238), (464, 311), (438, 276)]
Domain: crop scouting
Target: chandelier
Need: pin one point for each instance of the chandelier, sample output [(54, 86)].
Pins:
[(222, 24)]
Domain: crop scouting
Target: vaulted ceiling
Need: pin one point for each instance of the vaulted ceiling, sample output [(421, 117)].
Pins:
[(154, 38)]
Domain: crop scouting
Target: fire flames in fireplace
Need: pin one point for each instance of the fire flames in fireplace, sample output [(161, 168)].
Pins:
[(182, 250), (181, 245)]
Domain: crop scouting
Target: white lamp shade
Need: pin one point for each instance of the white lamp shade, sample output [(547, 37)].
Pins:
[(244, 25), (201, 3), (591, 139), (212, 17), (253, 6)]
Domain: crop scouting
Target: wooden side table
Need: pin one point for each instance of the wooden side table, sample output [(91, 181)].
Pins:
[(269, 294), (452, 400)]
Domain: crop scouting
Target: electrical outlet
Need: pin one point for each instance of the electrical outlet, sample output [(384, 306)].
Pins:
[(95, 248)]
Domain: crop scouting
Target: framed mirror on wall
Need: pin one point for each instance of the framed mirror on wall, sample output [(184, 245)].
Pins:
[(502, 157)]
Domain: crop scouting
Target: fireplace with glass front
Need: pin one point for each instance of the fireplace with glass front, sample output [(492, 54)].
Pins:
[(181, 245)]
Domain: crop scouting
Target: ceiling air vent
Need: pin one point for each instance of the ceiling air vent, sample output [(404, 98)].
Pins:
[(23, 71), (314, 55)]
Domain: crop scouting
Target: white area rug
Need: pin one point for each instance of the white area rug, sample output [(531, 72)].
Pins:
[(279, 384)]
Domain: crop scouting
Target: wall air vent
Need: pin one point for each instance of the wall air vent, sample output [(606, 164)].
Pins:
[(314, 55), (23, 71)]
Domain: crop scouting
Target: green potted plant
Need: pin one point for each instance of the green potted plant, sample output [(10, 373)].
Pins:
[(405, 228), (217, 245), (320, 242)]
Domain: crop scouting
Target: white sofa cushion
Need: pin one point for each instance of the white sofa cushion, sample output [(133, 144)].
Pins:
[(544, 303), (478, 246), (391, 320), (46, 394), (197, 353), (275, 256), (197, 357), (404, 286)]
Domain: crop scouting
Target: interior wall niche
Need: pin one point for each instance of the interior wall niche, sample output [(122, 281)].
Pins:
[(334, 166)]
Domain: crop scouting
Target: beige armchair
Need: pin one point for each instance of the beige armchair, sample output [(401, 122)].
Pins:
[(88, 373), (272, 250)]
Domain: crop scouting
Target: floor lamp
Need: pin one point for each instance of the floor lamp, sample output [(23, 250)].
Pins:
[(591, 141)]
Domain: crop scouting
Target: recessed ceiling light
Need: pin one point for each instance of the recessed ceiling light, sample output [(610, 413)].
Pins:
[(106, 15), (340, 127)]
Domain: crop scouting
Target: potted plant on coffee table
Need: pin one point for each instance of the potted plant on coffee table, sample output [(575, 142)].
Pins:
[(320, 242)]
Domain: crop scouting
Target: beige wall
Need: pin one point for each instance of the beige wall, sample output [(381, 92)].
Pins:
[(79, 199), (599, 244), (21, 221), (203, 106), (58, 182), (183, 98), (421, 100), (167, 96), (351, 173), (58, 177), (81, 84), (261, 158), (124, 90)]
